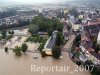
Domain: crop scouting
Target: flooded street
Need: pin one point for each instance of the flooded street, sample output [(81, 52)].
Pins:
[(12, 65)]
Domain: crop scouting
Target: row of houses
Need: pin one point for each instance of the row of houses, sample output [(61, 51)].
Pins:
[(86, 47), (14, 20), (88, 23), (91, 27)]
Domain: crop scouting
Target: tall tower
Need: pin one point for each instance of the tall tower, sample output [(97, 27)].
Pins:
[(40, 10)]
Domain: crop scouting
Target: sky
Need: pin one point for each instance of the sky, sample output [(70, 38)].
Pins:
[(42, 1), (37, 1)]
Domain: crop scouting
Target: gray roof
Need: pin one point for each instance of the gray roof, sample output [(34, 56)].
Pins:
[(51, 43)]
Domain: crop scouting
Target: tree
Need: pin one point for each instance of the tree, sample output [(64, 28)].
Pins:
[(78, 63), (17, 51), (69, 27), (24, 47), (46, 24), (41, 46), (79, 21), (9, 12), (59, 27), (59, 39), (6, 49), (56, 52), (44, 54), (4, 34), (77, 40), (50, 30), (97, 11), (97, 48), (9, 36), (11, 32), (33, 29), (96, 71), (74, 12), (0, 38), (41, 21)]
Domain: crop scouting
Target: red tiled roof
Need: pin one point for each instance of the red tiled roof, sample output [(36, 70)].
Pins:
[(85, 36), (93, 22), (89, 49)]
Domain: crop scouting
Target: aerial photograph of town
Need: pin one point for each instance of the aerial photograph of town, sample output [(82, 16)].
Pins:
[(49, 37)]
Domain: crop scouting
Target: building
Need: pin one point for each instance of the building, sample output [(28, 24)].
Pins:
[(86, 48), (40, 10), (98, 39), (20, 33), (92, 26), (50, 43), (76, 27)]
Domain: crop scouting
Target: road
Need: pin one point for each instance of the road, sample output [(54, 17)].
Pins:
[(69, 43), (65, 54), (69, 62)]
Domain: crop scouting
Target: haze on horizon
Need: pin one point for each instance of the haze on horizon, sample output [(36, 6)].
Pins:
[(12, 2), (35, 1)]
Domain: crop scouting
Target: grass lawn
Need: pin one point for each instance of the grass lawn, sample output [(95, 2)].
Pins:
[(39, 39), (36, 38)]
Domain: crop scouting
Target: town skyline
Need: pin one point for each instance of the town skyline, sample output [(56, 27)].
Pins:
[(4, 2)]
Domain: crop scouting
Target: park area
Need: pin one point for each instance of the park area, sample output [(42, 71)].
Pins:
[(18, 41)]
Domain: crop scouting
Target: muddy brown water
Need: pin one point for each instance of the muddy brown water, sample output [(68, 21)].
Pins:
[(12, 65)]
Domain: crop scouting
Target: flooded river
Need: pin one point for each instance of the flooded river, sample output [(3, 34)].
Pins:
[(12, 65)]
